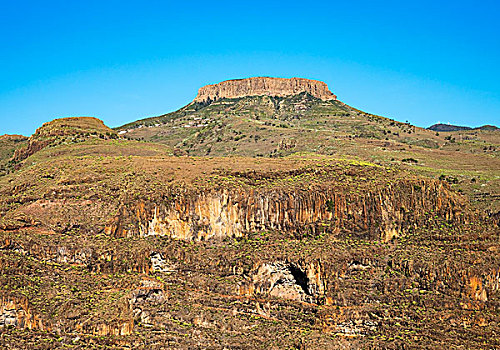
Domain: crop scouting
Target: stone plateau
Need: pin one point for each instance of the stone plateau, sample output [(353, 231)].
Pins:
[(259, 86)]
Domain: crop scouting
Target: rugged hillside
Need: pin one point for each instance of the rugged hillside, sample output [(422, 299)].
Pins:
[(348, 230), (270, 126), (197, 198), (63, 131), (281, 125), (8, 146), (107, 242)]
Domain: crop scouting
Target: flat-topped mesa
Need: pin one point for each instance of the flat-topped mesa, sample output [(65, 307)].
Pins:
[(259, 86)]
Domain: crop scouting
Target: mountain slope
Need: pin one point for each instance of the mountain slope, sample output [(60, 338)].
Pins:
[(348, 230), (279, 117), (294, 123), (271, 126)]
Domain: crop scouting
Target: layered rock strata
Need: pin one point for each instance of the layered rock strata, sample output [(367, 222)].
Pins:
[(259, 86)]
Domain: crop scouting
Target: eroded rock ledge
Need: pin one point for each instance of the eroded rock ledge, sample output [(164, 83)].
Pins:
[(259, 86), (378, 214), (17, 312), (288, 280)]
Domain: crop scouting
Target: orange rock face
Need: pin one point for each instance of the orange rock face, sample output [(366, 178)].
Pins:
[(17, 312), (259, 86), (381, 214)]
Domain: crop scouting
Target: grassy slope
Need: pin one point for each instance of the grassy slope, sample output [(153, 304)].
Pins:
[(276, 127)]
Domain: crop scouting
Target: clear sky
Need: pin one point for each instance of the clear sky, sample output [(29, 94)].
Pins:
[(422, 61)]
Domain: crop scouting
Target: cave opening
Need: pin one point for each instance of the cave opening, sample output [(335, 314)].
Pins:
[(300, 277)]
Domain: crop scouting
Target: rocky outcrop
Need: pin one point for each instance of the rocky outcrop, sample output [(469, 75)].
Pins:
[(377, 214), (298, 282), (259, 86), (93, 258), (144, 299), (17, 312), (346, 322), (69, 130), (473, 287), (120, 327)]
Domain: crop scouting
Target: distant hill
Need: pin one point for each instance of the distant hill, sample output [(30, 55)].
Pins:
[(450, 127), (487, 127)]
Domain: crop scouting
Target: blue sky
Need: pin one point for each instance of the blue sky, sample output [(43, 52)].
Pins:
[(425, 62)]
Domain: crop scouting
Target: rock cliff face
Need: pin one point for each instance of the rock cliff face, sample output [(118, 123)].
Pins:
[(381, 214), (299, 282), (259, 86), (16, 312)]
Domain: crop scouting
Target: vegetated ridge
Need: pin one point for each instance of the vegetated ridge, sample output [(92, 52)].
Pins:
[(450, 127)]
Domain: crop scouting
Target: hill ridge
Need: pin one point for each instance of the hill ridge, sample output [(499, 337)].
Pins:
[(451, 127)]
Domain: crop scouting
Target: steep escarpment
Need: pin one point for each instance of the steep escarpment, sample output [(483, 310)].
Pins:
[(381, 213), (306, 197), (258, 86)]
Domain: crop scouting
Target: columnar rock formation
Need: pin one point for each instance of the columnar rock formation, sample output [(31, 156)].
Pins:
[(259, 86), (16, 312), (381, 214)]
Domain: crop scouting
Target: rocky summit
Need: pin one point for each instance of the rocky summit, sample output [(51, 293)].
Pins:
[(264, 214), (260, 86)]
